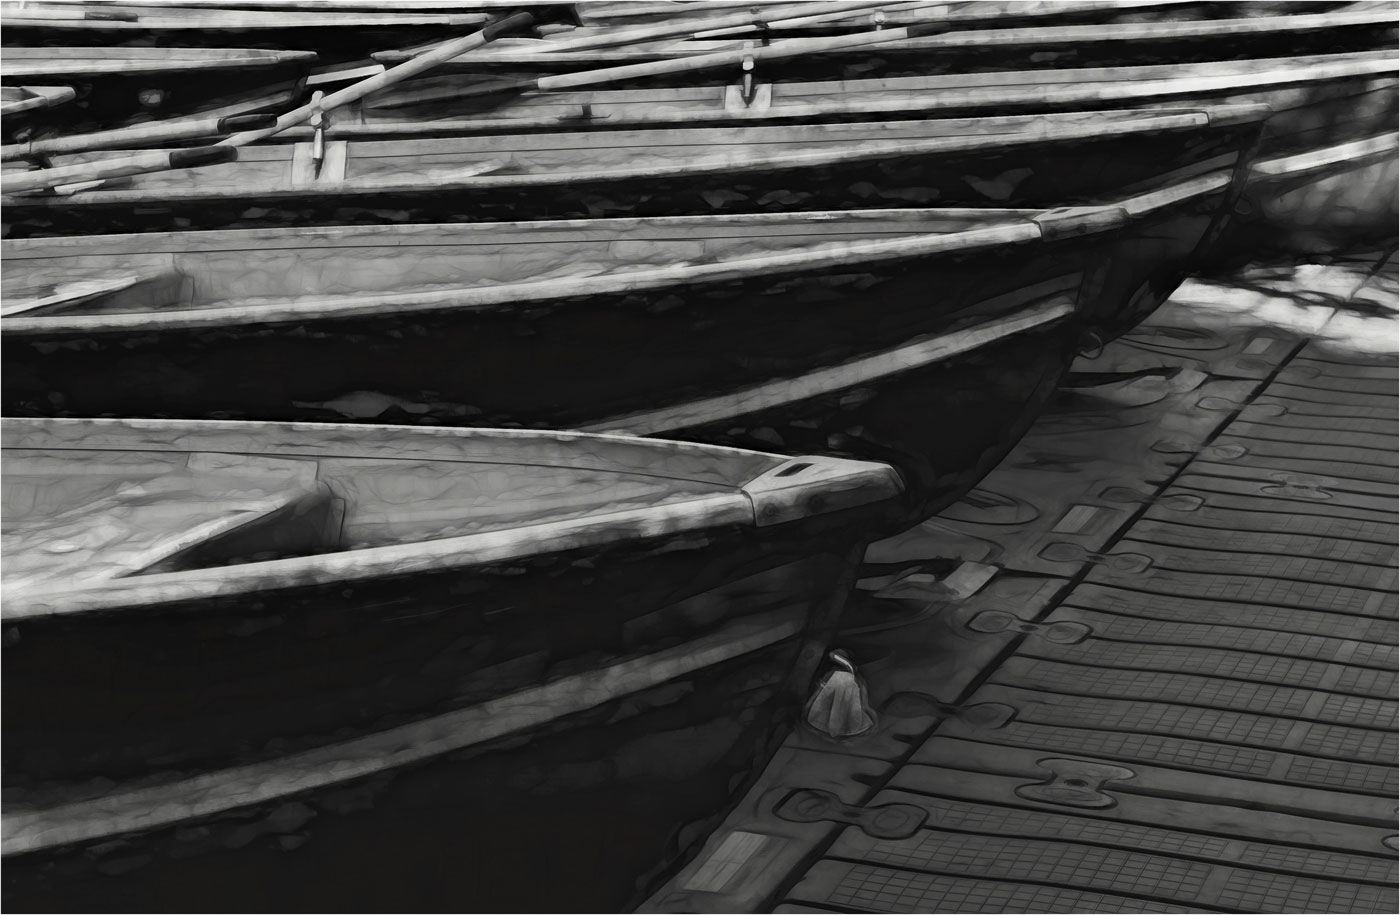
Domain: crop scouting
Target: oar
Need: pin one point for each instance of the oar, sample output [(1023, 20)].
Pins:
[(756, 16), (38, 97), (138, 164), (233, 117), (139, 136), (792, 47), (393, 75), (18, 11), (925, 9)]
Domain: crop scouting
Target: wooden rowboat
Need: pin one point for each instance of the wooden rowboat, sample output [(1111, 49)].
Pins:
[(1027, 161), (86, 63), (211, 624), (805, 332)]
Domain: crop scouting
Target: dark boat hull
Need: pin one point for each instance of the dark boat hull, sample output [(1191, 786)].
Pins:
[(789, 358), (670, 672)]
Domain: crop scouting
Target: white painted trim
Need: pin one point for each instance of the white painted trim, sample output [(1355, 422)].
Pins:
[(1358, 151)]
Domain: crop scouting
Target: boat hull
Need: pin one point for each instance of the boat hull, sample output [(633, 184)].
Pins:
[(497, 719)]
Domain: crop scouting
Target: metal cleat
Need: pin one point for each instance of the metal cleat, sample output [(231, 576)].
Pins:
[(1075, 783), (888, 821), (1061, 633)]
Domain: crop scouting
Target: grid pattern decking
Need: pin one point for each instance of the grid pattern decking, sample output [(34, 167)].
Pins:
[(1259, 644)]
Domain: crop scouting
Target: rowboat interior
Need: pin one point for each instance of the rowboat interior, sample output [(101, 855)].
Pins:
[(131, 508)]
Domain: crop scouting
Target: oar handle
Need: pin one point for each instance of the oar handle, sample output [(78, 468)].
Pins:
[(236, 122), (139, 164), (138, 136)]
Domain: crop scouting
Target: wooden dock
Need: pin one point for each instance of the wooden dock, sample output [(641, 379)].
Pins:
[(1176, 690)]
